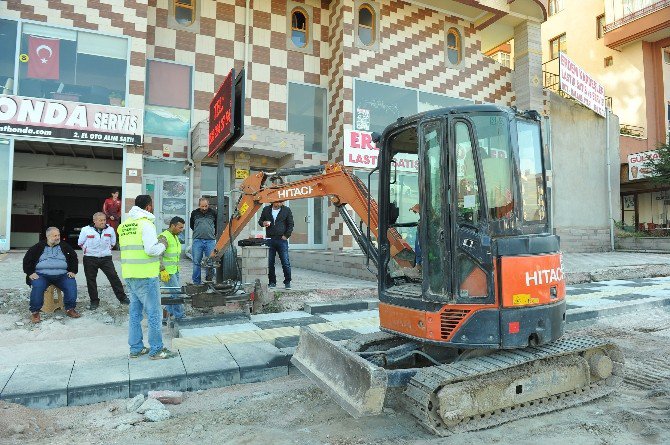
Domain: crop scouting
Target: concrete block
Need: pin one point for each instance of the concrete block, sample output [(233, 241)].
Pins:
[(210, 320), (302, 321), (5, 374), (287, 342), (154, 375), (98, 381), (215, 330), (336, 306), (210, 367), (259, 361), (40, 385)]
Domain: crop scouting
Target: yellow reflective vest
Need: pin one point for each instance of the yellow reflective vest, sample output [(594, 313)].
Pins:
[(171, 254), (135, 263)]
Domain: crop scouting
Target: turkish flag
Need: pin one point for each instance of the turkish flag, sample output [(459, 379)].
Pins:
[(43, 61)]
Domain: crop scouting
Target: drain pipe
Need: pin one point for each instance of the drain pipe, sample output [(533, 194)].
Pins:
[(609, 177), (547, 127), (247, 12), (191, 173)]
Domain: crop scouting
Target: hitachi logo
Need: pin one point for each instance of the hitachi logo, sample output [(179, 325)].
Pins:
[(545, 276), (292, 193)]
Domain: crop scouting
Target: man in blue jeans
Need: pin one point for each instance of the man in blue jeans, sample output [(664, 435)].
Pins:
[(203, 224), (278, 222), (50, 262)]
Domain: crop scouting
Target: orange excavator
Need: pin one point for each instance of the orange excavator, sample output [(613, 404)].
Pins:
[(476, 338)]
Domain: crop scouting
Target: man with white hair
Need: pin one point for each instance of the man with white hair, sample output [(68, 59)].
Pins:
[(51, 262), (97, 241)]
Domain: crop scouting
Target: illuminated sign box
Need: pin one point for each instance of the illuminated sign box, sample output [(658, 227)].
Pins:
[(226, 114)]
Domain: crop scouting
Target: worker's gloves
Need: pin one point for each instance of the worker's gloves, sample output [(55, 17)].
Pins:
[(165, 276)]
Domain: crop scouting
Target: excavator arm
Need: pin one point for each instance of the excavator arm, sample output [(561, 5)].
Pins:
[(330, 180)]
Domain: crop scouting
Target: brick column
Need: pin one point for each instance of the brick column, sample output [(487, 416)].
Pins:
[(255, 266), (527, 78)]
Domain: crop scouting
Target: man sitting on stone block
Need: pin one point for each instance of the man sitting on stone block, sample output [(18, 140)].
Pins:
[(51, 262)]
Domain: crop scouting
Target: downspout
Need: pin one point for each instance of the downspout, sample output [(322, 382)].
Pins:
[(547, 127), (247, 11), (191, 172), (609, 177)]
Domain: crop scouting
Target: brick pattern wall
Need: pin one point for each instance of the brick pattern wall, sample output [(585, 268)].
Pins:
[(584, 239)]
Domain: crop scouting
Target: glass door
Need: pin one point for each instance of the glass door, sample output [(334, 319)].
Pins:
[(170, 197), (309, 220), (6, 159)]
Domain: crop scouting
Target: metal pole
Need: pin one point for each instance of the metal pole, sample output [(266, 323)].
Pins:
[(609, 177)]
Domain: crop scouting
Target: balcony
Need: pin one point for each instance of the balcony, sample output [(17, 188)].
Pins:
[(646, 20)]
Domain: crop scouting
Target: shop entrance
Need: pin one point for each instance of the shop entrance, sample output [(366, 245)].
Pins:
[(60, 185)]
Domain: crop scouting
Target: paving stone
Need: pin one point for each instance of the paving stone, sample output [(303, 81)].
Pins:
[(240, 337), (574, 292), (627, 297), (351, 315), (98, 381), (154, 375), (287, 342), (5, 374), (259, 361), (279, 316), (336, 306), (39, 385), (210, 367), (209, 320), (303, 321), (340, 334), (214, 330)]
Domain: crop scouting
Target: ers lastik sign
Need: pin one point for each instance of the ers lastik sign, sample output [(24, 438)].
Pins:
[(221, 115)]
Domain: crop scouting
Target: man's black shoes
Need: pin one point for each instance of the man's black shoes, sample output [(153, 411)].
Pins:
[(94, 305), (125, 301)]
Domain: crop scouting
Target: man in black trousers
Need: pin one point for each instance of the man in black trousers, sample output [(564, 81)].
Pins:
[(278, 222)]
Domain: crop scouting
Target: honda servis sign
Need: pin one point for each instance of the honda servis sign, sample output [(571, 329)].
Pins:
[(57, 119)]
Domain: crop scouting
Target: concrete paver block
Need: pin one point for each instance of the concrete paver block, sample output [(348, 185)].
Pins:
[(214, 330), (290, 341), (279, 316), (98, 381), (5, 374), (39, 385), (302, 321), (240, 337), (271, 334), (210, 367), (154, 375), (351, 315), (259, 361), (194, 342)]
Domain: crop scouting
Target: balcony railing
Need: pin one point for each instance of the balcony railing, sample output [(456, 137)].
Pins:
[(631, 130), (627, 18)]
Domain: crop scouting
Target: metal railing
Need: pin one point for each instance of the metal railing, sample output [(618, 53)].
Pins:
[(632, 131), (649, 9)]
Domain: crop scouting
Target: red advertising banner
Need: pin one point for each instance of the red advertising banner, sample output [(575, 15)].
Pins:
[(43, 58), (44, 118), (221, 115)]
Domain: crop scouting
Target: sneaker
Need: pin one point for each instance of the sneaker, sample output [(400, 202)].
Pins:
[(143, 351), (125, 301), (35, 317), (93, 306), (287, 286), (163, 354), (272, 285)]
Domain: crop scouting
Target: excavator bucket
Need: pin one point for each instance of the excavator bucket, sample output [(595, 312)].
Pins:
[(357, 385)]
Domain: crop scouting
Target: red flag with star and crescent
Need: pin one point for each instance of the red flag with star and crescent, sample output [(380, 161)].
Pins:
[(43, 61)]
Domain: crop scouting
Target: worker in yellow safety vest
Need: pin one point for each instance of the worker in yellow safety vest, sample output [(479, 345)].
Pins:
[(140, 266), (170, 266)]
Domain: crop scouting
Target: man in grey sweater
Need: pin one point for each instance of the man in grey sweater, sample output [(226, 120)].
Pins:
[(203, 224)]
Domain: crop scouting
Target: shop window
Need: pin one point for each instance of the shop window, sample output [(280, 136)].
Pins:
[(454, 47), (208, 179), (555, 6), (378, 105), (7, 55), (307, 115), (432, 101), (366, 25), (556, 45), (600, 26), (168, 99), (72, 65), (608, 61), (299, 28)]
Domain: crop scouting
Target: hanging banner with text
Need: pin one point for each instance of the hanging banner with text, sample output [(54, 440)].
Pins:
[(361, 152), (579, 85), (637, 164), (57, 119)]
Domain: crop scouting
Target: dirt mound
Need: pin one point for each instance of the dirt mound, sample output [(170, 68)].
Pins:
[(20, 423)]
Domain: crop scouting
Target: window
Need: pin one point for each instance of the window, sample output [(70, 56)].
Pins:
[(307, 115), (555, 6), (666, 57), (600, 26), (366, 25), (432, 101), (609, 61), (454, 47), (502, 58), (466, 176), (530, 170), (299, 28), (7, 55), (72, 65), (184, 11), (168, 99), (556, 45), (378, 105)]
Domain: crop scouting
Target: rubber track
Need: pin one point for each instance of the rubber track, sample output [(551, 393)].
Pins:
[(421, 394)]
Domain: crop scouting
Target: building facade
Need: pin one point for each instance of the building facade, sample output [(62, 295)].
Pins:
[(624, 45), (314, 69)]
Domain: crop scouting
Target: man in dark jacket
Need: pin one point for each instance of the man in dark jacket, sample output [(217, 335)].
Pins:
[(278, 223), (203, 224), (51, 262)]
